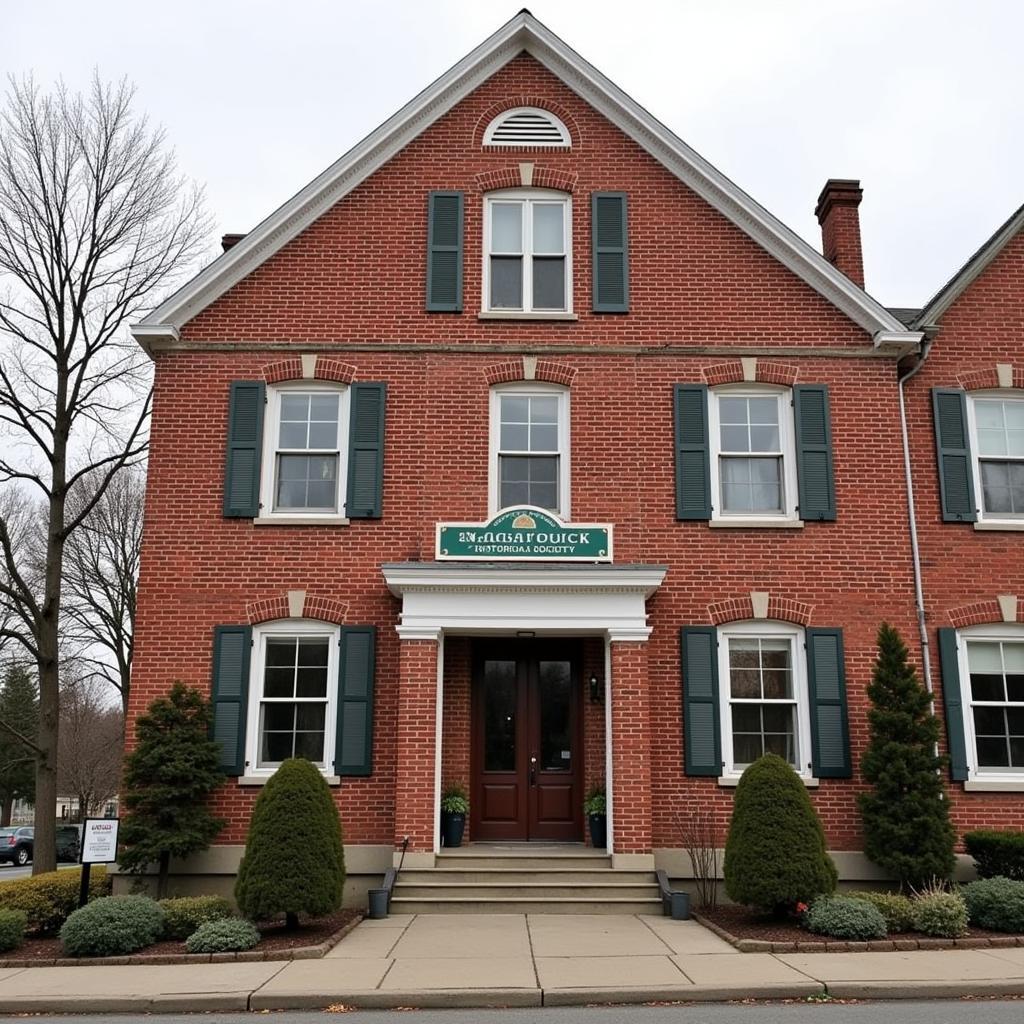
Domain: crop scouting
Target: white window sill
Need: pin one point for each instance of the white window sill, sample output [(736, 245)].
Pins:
[(518, 314), (977, 785), (761, 523), (262, 780), (1016, 526), (731, 781), (300, 521)]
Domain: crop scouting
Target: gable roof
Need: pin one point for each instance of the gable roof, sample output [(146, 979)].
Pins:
[(969, 272), (522, 33)]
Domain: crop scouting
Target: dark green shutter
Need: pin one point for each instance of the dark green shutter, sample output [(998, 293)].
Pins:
[(232, 646), (952, 441), (816, 480), (444, 252), (693, 452), (366, 451), (830, 726), (353, 751), (610, 239), (952, 697), (245, 449), (701, 715)]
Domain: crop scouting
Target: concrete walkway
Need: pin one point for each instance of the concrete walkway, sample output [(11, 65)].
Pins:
[(514, 960)]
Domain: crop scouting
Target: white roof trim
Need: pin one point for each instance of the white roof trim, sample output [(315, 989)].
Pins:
[(523, 32)]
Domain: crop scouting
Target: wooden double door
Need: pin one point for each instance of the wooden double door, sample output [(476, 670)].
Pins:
[(527, 748)]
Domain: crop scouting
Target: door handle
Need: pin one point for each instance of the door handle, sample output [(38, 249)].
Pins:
[(533, 770)]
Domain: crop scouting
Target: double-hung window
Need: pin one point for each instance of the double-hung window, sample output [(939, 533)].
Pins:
[(999, 466), (992, 662), (527, 263), (304, 465), (530, 447)]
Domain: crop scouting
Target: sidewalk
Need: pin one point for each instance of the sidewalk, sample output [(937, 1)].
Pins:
[(515, 960)]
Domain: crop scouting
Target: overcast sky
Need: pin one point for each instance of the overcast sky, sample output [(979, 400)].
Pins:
[(920, 100)]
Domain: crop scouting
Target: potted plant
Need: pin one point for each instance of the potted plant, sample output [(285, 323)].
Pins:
[(595, 808), (454, 808)]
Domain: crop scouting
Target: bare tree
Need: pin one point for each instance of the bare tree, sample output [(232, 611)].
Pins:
[(94, 223), (101, 572)]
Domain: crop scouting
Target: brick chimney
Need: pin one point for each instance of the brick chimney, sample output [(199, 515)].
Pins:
[(840, 226), (229, 240)]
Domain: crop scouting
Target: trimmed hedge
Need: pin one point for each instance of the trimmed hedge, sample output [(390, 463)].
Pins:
[(897, 909), (182, 916), (997, 854), (113, 926), (942, 914), (12, 929), (841, 917), (48, 900), (996, 903), (228, 935)]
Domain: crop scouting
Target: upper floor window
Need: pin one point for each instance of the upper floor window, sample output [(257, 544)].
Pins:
[(998, 423), (304, 467), (527, 252), (753, 464), (530, 447), (527, 126)]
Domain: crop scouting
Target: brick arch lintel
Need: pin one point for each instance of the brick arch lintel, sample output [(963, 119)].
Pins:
[(512, 177), (510, 103), (308, 367), (981, 613), (530, 368), (741, 609), (761, 371), (296, 604), (998, 375)]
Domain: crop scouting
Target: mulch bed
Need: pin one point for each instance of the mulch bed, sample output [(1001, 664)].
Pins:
[(277, 944), (751, 932)]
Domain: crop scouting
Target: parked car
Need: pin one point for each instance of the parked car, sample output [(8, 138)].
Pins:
[(16, 845), (69, 842)]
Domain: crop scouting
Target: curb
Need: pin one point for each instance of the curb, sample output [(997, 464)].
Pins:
[(395, 999), (925, 989)]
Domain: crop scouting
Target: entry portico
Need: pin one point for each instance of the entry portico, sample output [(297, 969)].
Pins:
[(447, 600)]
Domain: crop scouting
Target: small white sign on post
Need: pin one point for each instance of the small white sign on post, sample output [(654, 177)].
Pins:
[(99, 840)]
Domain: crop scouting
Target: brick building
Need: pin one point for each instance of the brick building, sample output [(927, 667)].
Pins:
[(665, 434)]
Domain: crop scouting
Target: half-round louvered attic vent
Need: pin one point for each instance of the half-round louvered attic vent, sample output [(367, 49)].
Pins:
[(527, 126)]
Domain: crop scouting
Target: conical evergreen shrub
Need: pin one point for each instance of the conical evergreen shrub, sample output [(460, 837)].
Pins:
[(775, 854), (906, 815), (294, 861)]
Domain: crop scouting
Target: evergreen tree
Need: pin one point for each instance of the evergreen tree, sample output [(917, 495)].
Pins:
[(906, 816), (775, 854), (167, 780), (19, 709), (294, 860)]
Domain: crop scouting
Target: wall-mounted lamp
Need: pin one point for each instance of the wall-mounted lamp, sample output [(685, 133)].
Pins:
[(596, 689)]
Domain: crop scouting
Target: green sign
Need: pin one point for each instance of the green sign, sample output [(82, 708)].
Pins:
[(524, 534)]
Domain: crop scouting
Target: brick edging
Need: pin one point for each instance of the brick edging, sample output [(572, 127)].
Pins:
[(842, 946), (247, 956)]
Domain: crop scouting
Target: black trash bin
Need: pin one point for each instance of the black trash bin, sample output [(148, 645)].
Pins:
[(378, 904)]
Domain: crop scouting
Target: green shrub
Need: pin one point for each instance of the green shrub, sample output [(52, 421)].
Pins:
[(12, 929), (997, 854), (897, 909), (996, 903), (455, 800), (294, 860), (228, 935), (941, 914), (775, 854), (182, 916), (113, 926), (841, 917), (47, 900)]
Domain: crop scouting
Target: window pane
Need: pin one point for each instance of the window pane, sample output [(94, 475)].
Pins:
[(310, 745), (543, 437), (310, 717), (515, 409), (499, 716), (763, 410), (276, 746), (323, 435), (506, 282), (764, 438), (996, 489), (993, 753), (984, 657), (311, 682), (307, 481), (989, 721), (549, 282), (295, 407), (530, 480), (746, 718), (543, 410), (746, 748), (515, 437), (745, 683), (292, 435), (735, 439), (751, 485), (278, 717), (732, 410), (507, 227), (555, 715), (281, 652), (1013, 657), (778, 718), (1015, 721), (782, 745), (323, 408), (320, 494), (548, 233), (279, 682), (1016, 752), (313, 652)]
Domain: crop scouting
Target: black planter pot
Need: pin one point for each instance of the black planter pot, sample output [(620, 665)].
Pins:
[(452, 827), (598, 830)]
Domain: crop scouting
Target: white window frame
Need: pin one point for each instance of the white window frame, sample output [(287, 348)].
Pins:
[(527, 197), (288, 629), (564, 143), (993, 632), (531, 389), (765, 630), (787, 441), (268, 468), (1001, 395)]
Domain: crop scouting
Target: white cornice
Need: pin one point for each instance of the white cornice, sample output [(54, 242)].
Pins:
[(523, 32)]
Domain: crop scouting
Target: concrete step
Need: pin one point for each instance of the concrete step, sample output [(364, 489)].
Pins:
[(487, 862), (524, 890), (501, 876), (510, 905)]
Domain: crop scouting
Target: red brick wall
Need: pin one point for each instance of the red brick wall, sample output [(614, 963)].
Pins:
[(456, 725)]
